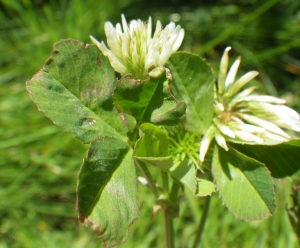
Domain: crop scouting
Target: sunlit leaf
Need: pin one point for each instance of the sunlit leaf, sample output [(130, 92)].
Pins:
[(244, 184), (74, 90), (149, 100), (186, 173), (205, 187), (193, 82), (152, 147), (107, 191)]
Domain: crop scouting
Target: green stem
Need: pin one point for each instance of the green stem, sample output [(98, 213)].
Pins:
[(201, 225), (174, 192), (151, 183), (167, 221), (165, 183), (168, 230)]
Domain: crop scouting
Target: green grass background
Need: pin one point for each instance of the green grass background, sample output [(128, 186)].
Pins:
[(39, 162)]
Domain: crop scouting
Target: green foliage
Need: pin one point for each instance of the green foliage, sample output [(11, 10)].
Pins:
[(294, 210), (103, 159), (193, 82), (276, 158), (74, 90), (107, 190), (39, 162), (244, 184), (205, 187), (152, 147), (149, 100)]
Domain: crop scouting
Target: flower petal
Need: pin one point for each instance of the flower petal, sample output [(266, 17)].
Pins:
[(240, 97), (152, 58), (134, 47), (265, 124), (149, 30), (232, 72), (119, 29), (221, 140), (274, 136), (237, 86), (158, 29), (165, 53), (264, 98), (223, 70), (205, 142), (178, 40), (104, 49), (124, 24), (281, 111), (247, 136), (287, 124), (224, 129), (248, 128)]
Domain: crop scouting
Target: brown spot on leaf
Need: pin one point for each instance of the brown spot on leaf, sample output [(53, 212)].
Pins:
[(99, 62)]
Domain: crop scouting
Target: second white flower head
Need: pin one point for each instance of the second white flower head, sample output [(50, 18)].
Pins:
[(243, 116), (133, 49)]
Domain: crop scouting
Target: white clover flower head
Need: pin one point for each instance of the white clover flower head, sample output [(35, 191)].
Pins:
[(134, 50), (243, 116)]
